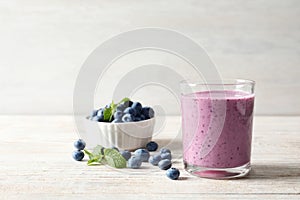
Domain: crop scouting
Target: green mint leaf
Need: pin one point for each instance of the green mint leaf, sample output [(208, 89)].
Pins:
[(96, 157), (95, 161), (114, 159), (97, 151), (88, 153), (124, 100), (107, 113), (113, 107)]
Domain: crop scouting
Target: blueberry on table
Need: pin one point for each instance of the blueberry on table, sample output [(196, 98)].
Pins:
[(134, 162), (173, 173), (164, 150), (152, 146), (126, 154), (154, 160), (130, 111), (127, 118), (143, 154), (79, 144), (78, 155), (166, 156), (164, 164)]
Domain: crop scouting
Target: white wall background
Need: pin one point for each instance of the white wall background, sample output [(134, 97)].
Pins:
[(43, 44)]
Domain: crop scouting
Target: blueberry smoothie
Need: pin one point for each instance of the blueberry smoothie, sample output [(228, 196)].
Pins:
[(217, 128)]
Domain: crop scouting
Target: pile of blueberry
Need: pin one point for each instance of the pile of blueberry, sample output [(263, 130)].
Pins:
[(135, 160), (78, 153), (127, 111), (163, 159)]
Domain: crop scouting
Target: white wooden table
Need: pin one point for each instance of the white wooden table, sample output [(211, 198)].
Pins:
[(36, 163)]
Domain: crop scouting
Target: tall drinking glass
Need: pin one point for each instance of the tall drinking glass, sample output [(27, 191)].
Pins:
[(217, 127)]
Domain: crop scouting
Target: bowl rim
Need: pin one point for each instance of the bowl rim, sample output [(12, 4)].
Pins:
[(123, 123)]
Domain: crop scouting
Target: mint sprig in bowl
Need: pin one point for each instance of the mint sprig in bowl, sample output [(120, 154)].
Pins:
[(127, 125)]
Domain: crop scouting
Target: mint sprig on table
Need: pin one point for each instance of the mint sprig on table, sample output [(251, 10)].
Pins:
[(102, 156), (108, 112)]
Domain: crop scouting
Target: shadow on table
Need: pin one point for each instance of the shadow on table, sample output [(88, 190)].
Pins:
[(275, 171)]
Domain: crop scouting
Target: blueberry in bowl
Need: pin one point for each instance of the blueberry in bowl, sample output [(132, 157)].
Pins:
[(127, 125)]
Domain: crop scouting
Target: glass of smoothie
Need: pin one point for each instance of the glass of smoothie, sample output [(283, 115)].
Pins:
[(217, 127)]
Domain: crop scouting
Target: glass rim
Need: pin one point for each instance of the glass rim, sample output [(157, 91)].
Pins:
[(225, 82)]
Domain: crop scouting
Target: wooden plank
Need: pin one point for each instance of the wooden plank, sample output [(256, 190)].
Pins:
[(36, 162)]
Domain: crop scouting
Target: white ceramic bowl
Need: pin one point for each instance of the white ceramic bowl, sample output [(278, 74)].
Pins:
[(126, 136)]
